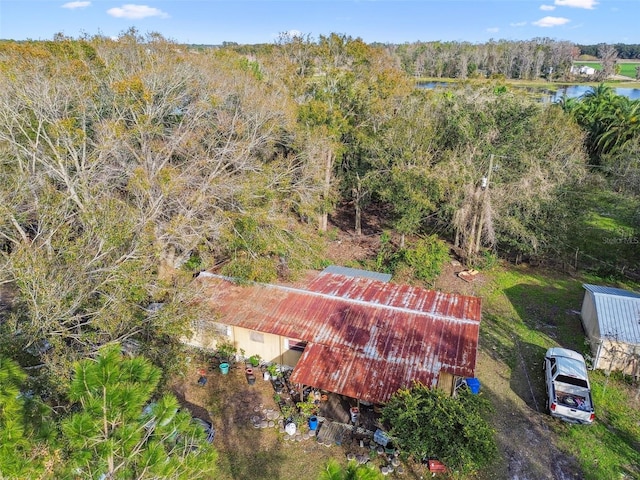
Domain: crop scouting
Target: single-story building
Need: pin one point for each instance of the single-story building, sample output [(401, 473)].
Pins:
[(347, 333), (611, 321), (583, 70)]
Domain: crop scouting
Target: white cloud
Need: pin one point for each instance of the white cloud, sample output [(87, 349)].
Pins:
[(547, 8), (74, 5), (551, 22), (588, 4), (493, 30), (518, 24), (136, 12)]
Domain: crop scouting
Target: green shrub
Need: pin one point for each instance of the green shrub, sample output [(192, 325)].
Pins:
[(427, 257), (194, 263), (428, 422), (259, 269)]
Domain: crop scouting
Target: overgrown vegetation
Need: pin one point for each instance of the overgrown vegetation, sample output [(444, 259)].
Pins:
[(117, 427), (421, 259), (334, 471), (428, 423), (129, 165)]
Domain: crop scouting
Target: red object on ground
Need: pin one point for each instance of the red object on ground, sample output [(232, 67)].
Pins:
[(202, 371), (437, 466)]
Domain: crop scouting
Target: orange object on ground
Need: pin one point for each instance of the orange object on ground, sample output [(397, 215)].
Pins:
[(468, 275)]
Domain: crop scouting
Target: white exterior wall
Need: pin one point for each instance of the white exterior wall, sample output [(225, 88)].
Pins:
[(206, 335), (590, 316), (267, 345), (608, 354)]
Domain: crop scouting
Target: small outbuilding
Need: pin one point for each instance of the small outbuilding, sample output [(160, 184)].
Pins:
[(583, 70), (611, 321)]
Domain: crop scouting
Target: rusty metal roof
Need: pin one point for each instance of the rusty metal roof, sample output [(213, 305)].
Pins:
[(366, 338)]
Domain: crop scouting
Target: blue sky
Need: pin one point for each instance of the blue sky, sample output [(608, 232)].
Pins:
[(261, 21)]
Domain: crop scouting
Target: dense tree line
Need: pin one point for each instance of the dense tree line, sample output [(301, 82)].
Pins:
[(524, 60), (538, 58), (128, 161), (625, 50), (129, 164)]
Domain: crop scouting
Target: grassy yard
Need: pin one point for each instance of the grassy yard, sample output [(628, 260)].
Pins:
[(607, 238), (628, 69), (525, 312)]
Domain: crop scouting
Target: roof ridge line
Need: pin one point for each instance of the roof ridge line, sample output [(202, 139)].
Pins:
[(350, 300)]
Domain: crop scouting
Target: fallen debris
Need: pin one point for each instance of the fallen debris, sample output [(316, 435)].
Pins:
[(468, 275)]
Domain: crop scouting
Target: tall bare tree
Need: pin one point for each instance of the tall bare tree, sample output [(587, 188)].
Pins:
[(608, 59)]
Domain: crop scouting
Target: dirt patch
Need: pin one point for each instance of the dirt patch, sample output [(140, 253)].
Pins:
[(523, 432), (250, 449)]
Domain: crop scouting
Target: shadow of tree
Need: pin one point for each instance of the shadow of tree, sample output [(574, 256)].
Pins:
[(248, 455), (552, 309), (527, 378)]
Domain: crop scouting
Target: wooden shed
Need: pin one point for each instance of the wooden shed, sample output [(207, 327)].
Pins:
[(611, 321)]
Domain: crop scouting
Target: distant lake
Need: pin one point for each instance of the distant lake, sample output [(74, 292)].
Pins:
[(575, 91), (571, 91)]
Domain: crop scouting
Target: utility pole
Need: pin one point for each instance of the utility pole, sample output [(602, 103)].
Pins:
[(485, 193)]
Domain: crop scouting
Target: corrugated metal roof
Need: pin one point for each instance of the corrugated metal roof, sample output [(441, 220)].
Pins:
[(617, 292), (356, 272), (367, 338), (618, 313)]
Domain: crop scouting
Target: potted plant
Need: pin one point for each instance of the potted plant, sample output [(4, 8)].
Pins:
[(288, 411), (254, 360), (307, 408), (225, 351), (273, 370)]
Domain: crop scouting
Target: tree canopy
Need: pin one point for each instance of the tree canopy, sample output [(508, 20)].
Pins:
[(121, 431), (130, 164)]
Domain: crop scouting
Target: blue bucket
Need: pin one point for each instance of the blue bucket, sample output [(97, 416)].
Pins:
[(474, 385), (224, 368), (313, 422)]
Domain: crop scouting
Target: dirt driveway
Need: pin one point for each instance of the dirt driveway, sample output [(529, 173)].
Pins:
[(524, 431), (525, 439)]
